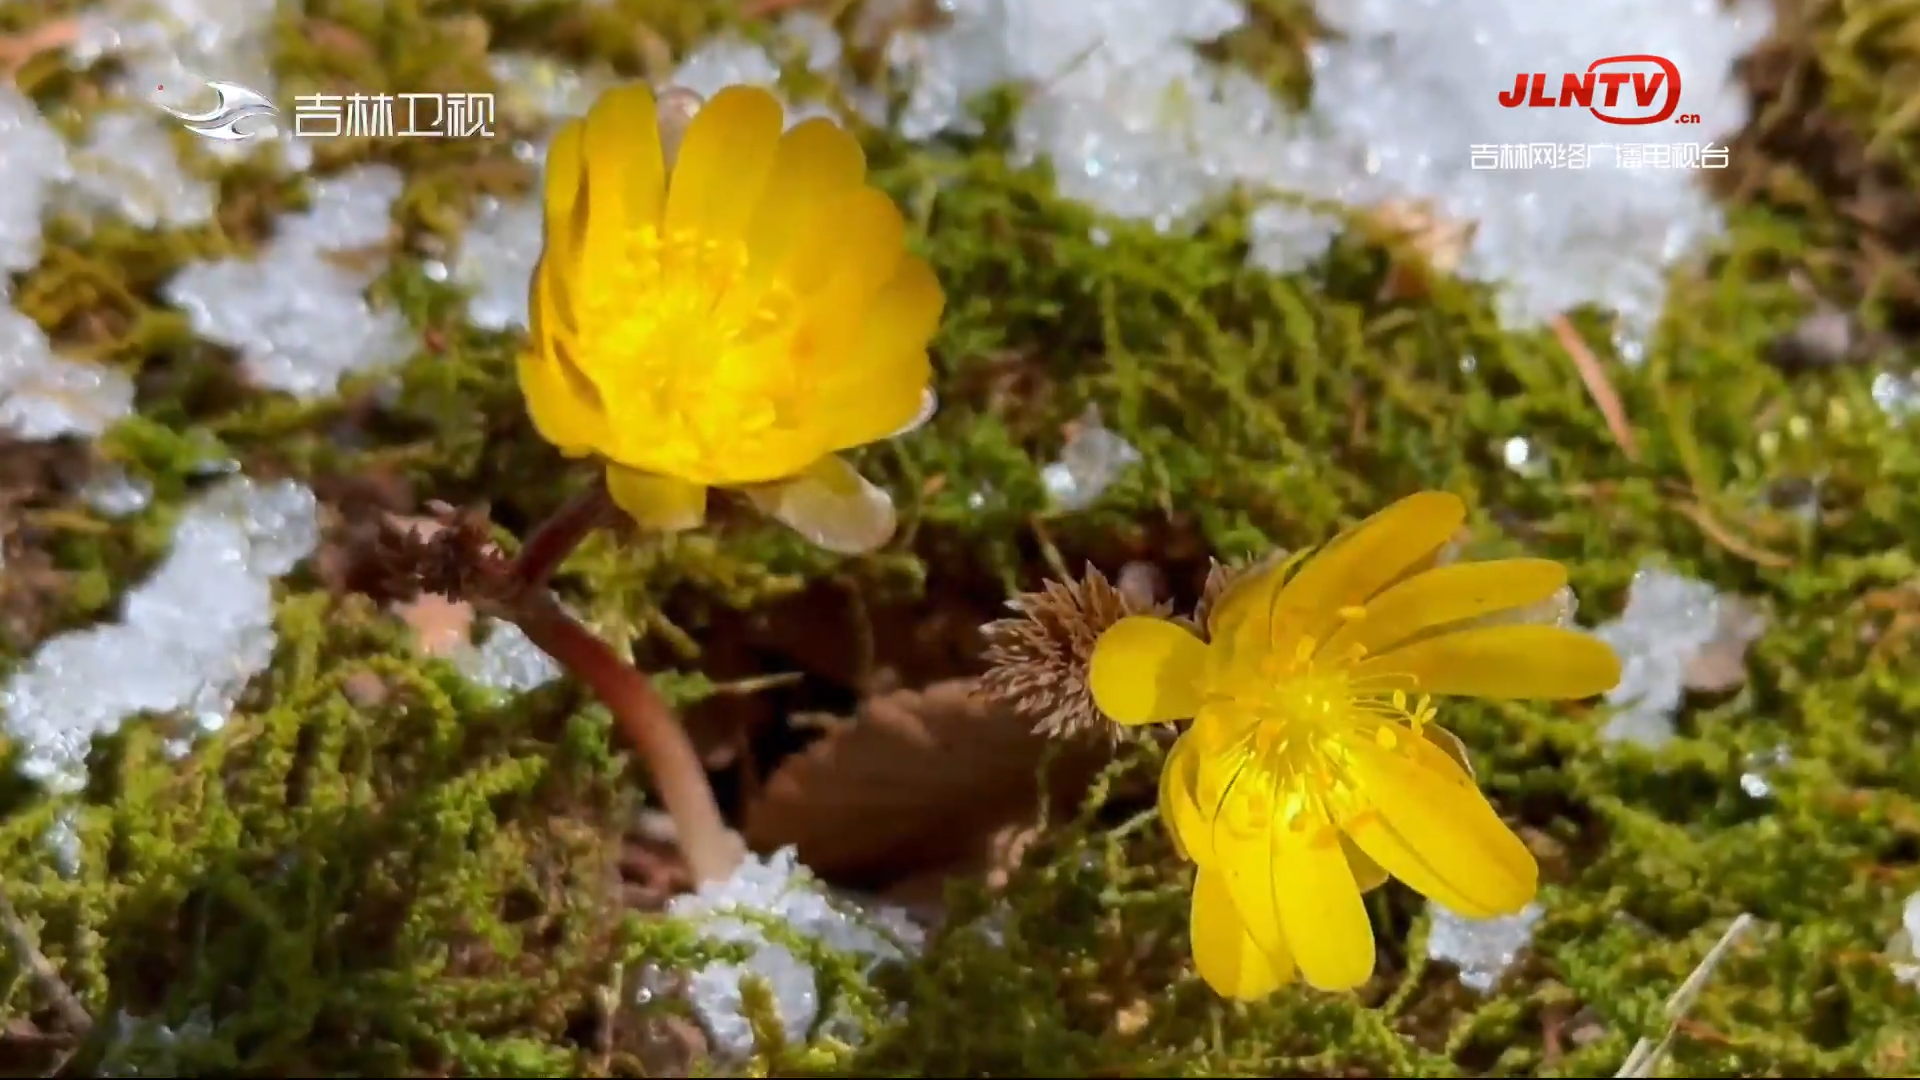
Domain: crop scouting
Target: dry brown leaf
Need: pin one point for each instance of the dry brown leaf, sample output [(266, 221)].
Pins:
[(670, 1045), (920, 782), (1721, 664)]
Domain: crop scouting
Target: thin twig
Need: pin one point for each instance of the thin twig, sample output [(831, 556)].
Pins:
[(1726, 538), (559, 535), (712, 850), (1598, 386), (1647, 1054), (757, 684), (47, 977)]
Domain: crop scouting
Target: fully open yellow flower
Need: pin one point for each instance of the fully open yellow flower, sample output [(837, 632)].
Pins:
[(1312, 769), (730, 312)]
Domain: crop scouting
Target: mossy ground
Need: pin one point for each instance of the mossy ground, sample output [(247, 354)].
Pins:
[(376, 871)]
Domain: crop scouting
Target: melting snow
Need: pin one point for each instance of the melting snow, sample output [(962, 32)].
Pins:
[(1138, 123), (298, 318), (187, 641), (129, 166), (506, 661), (1668, 620), (777, 888), (1092, 459), (168, 49), (113, 493), (1483, 949), (34, 161), (1904, 949), (496, 261), (44, 396)]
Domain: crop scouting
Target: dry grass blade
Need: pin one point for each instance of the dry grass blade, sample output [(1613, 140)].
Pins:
[(1712, 528), (1594, 375), (917, 783), (1648, 1054), (45, 976)]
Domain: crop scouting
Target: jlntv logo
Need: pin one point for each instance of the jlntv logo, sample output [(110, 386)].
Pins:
[(1655, 81), (236, 104)]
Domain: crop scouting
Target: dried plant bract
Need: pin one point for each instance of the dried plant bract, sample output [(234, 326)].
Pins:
[(1038, 658)]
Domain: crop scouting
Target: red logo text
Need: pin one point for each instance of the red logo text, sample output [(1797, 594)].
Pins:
[(1654, 83)]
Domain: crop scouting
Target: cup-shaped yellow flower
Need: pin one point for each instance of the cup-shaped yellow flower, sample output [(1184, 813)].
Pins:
[(731, 311), (1312, 769)]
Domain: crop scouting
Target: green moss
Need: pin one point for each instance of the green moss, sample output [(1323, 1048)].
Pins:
[(376, 870)]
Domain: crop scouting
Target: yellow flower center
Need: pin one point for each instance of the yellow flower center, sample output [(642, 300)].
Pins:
[(685, 345), (1291, 730)]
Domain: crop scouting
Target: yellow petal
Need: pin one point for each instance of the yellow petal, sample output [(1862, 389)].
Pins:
[(1240, 625), (1189, 822), (1226, 956), (1360, 562), (929, 405), (1321, 909), (566, 222), (1502, 662), (1244, 846), (1367, 874), (1445, 595), (832, 505), (565, 406), (1146, 670), (849, 250), (625, 173), (724, 163), (565, 412), (884, 388), (817, 163), (1452, 746), (657, 503), (1432, 829)]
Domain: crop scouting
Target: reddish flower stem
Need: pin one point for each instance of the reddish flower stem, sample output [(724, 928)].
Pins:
[(559, 535), (712, 850)]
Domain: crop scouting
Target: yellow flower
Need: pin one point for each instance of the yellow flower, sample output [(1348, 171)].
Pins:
[(731, 312), (1312, 769)]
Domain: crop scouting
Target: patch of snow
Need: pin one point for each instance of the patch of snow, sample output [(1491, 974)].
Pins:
[(507, 661), (44, 396), (34, 161), (1137, 123), (1483, 949), (778, 888), (129, 166), (187, 641), (298, 317)]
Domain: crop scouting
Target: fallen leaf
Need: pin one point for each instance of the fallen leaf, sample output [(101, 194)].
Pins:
[(1721, 664), (920, 781)]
